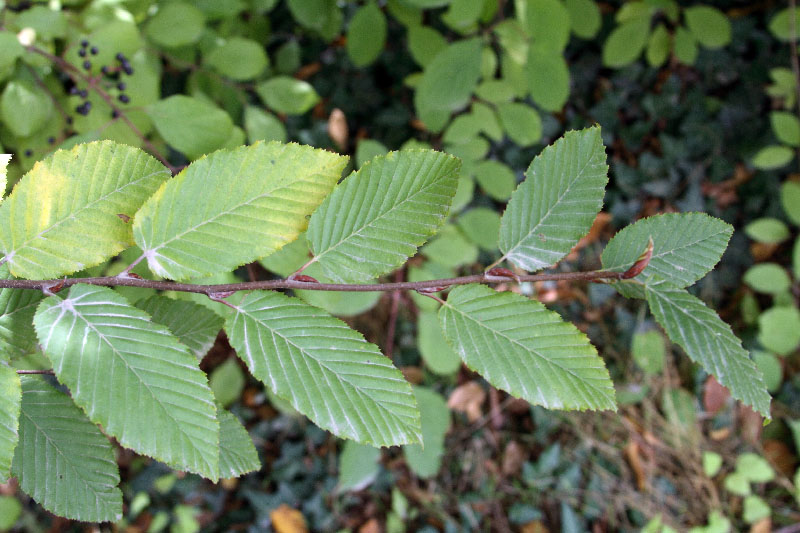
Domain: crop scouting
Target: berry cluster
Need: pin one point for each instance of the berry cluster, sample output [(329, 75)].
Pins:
[(111, 75)]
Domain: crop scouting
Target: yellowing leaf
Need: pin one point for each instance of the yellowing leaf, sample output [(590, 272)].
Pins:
[(288, 520)]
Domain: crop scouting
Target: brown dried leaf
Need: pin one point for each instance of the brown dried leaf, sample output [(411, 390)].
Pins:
[(762, 526), (513, 457), (468, 399), (632, 453), (715, 396), (337, 128), (781, 456), (371, 526), (288, 520), (534, 527)]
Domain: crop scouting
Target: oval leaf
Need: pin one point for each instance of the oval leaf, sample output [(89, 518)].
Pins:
[(192, 126), (366, 36), (10, 397)]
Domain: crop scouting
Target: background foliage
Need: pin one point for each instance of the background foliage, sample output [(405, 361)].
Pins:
[(697, 105)]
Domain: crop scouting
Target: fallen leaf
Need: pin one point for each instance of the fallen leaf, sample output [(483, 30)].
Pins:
[(413, 374), (513, 457), (468, 399), (337, 128), (288, 520), (715, 396), (781, 457), (762, 526), (534, 527), (635, 461), (371, 526)]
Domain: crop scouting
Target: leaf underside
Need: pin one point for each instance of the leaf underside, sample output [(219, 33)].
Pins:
[(131, 376), (520, 346), (10, 395), (233, 207), (62, 216), (62, 460), (324, 369), (558, 201), (17, 336), (686, 246), (195, 326), (381, 214), (708, 341)]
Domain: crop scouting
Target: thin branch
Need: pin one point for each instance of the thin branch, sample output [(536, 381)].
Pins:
[(35, 372), (117, 281), (75, 73)]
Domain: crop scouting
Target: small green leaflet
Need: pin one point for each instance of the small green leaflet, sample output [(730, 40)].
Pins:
[(10, 394), (237, 455), (708, 341), (17, 336), (379, 215), (686, 246), (426, 460), (62, 216), (324, 369), (62, 460), (195, 326), (132, 376), (558, 201), (233, 207), (521, 347)]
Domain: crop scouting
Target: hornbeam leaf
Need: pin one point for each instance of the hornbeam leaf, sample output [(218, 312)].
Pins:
[(195, 326), (62, 216), (521, 347), (62, 460), (558, 201), (708, 341), (237, 455), (233, 207), (324, 369), (685, 246), (132, 376), (17, 336), (381, 214), (10, 394)]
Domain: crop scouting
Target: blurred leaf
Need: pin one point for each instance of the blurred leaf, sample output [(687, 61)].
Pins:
[(709, 26), (790, 200), (626, 42), (425, 459), (754, 468), (227, 382), (424, 43), (767, 230), (368, 149), (585, 18), (10, 49), (449, 248), (190, 125), (658, 46), (287, 95), (176, 24), (548, 77), (770, 367), (781, 24), (779, 329), (438, 355), (521, 123), (755, 509), (358, 466), (737, 483), (24, 107), (648, 351), (288, 520), (10, 511), (480, 225), (238, 59), (769, 278), (772, 157), (263, 126), (712, 462), (685, 46), (366, 35), (496, 179), (786, 127), (548, 22)]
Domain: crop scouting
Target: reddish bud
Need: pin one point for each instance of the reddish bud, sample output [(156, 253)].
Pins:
[(499, 272), (125, 218), (641, 263), (220, 295), (134, 275), (303, 278), (430, 290)]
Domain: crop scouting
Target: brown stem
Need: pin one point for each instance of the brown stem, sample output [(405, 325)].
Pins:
[(117, 281), (35, 372)]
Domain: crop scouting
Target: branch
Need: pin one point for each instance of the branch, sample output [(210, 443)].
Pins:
[(214, 290)]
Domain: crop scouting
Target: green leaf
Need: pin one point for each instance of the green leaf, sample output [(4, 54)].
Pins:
[(648, 351), (227, 382), (324, 369), (658, 46), (779, 329), (176, 24), (276, 187), (10, 49), (366, 35), (190, 125), (770, 278), (712, 462), (415, 188), (312, 14), (770, 368), (585, 19), (781, 24), (548, 78), (772, 157), (558, 201), (786, 127), (425, 459), (708, 341), (496, 179), (547, 21), (481, 226), (767, 230), (368, 149), (195, 326), (439, 357), (287, 95), (10, 511), (10, 395), (424, 43), (24, 107), (237, 455), (450, 248), (448, 82), (76, 196), (754, 468), (263, 126), (685, 46), (238, 59), (755, 509), (521, 123), (626, 42), (686, 246), (132, 376), (463, 15), (790, 200), (17, 336), (427, 4), (709, 26), (62, 460), (524, 349), (736, 483), (358, 466)]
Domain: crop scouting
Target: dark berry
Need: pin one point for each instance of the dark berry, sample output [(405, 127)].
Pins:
[(104, 70), (121, 86), (114, 113), (69, 120), (84, 43), (28, 152), (74, 90), (120, 57), (87, 65), (87, 106), (51, 140), (128, 70), (84, 93), (93, 50), (124, 98), (82, 52)]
